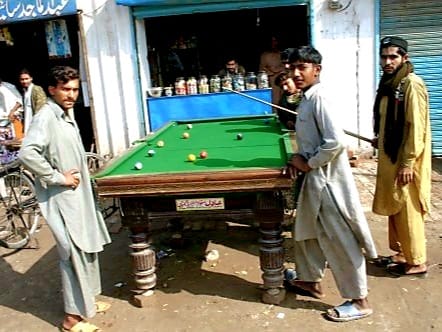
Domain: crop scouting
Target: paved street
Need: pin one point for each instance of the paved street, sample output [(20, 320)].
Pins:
[(193, 295)]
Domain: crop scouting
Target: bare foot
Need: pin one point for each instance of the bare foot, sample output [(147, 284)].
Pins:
[(362, 304), (70, 320), (306, 288), (399, 270), (398, 258), (415, 269)]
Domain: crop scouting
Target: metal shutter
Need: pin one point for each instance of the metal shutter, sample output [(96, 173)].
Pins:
[(420, 23)]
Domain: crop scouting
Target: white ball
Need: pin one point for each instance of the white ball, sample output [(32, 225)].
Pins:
[(138, 165)]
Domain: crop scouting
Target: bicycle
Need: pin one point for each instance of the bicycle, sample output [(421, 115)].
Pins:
[(19, 209), (95, 162)]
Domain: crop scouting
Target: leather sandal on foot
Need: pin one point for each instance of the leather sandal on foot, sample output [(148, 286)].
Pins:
[(400, 270), (386, 261)]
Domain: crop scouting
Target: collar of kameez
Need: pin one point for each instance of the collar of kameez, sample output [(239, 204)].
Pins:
[(310, 91), (59, 112)]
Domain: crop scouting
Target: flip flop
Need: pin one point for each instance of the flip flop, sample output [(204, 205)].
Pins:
[(399, 270), (346, 312), (101, 306), (386, 261), (82, 326)]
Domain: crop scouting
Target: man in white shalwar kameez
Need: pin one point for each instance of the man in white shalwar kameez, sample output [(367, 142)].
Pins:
[(330, 225), (52, 150)]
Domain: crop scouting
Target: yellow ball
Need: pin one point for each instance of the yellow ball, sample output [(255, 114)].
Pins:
[(160, 144), (186, 135), (191, 157)]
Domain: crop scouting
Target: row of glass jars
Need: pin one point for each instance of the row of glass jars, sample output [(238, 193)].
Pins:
[(216, 83)]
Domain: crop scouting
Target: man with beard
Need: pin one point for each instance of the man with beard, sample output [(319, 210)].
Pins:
[(403, 137)]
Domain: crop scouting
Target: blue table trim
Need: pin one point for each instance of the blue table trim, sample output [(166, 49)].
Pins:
[(213, 105)]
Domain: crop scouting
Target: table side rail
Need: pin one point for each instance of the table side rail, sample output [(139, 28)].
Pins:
[(264, 180)]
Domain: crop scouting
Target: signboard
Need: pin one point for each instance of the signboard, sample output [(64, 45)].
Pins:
[(22, 10), (193, 204)]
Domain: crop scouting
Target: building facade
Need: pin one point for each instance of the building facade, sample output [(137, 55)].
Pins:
[(117, 42)]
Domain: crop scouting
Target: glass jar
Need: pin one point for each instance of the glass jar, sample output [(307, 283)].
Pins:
[(168, 91), (263, 80), (227, 82), (180, 86), (203, 84), (192, 86), (238, 82), (215, 83), (251, 83)]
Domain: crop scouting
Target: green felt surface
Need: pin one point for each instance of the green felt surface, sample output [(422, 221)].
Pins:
[(264, 145)]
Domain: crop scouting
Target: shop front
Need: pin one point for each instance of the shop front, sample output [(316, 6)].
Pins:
[(190, 43), (38, 35)]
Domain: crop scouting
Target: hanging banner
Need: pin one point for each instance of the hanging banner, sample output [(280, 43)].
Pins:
[(22, 10)]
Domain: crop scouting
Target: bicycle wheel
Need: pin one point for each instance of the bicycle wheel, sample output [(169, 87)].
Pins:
[(19, 210), (95, 162)]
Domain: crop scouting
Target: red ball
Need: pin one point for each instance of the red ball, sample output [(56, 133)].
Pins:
[(203, 154)]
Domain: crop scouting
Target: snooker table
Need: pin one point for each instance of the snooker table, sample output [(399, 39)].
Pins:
[(240, 178)]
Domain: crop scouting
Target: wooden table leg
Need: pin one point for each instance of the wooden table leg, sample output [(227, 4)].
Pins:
[(269, 213), (143, 262)]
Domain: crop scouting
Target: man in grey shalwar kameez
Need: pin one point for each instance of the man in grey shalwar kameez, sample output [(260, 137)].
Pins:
[(330, 224), (52, 150)]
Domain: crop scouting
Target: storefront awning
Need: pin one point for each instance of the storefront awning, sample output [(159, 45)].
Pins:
[(140, 2), (23, 10), (156, 8)]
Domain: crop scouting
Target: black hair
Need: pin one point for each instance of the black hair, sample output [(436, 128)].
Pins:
[(306, 54), (62, 74), (400, 49), (281, 77), (231, 57), (24, 71), (285, 55)]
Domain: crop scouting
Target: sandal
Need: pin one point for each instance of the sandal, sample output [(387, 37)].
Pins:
[(386, 261), (346, 312), (400, 270), (82, 326)]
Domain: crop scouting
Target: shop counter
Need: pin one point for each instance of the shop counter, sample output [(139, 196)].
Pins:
[(202, 106), (239, 179)]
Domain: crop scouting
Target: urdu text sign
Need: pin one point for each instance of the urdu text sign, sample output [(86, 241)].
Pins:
[(22, 10)]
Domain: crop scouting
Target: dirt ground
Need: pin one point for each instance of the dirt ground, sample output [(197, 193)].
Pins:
[(192, 295)]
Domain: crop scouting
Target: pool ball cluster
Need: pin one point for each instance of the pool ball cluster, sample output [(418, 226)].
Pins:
[(190, 157)]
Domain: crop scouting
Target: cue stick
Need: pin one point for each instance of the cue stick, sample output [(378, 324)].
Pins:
[(362, 138)]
